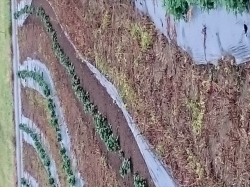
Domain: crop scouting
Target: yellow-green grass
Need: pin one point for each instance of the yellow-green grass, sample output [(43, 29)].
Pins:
[(7, 169)]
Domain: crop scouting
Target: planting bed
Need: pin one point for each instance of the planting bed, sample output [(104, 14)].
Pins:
[(194, 116), (33, 101), (33, 164), (76, 119)]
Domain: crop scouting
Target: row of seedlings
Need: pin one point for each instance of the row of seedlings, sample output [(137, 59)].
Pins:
[(53, 120), (41, 151), (102, 127)]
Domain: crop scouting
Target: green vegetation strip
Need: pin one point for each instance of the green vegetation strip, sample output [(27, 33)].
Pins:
[(103, 128), (42, 153), (25, 183), (7, 166), (180, 8), (24, 74)]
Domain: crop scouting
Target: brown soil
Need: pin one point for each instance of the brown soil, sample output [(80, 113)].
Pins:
[(33, 165), (89, 148), (34, 107), (196, 117)]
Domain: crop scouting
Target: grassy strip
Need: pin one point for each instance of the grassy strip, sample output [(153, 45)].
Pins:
[(54, 120), (25, 183), (42, 153), (103, 128), (179, 9), (7, 166)]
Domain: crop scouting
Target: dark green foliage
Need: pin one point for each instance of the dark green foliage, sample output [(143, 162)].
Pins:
[(25, 183), (37, 77), (180, 8), (59, 137), (205, 4), (177, 8), (125, 168), (62, 151), (139, 182), (71, 180), (51, 181), (104, 130), (41, 151)]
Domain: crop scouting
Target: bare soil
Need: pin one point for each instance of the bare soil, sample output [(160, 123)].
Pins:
[(88, 148), (196, 117), (33, 165)]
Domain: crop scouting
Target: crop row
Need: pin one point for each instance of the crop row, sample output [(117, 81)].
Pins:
[(53, 119), (25, 183), (103, 128), (41, 151), (180, 8)]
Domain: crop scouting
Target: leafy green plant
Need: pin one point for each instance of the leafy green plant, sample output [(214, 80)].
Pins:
[(237, 6), (125, 168), (41, 151), (139, 181), (180, 8), (24, 182), (105, 132), (37, 77)]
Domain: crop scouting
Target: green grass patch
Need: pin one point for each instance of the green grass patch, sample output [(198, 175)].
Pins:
[(197, 109), (141, 34), (7, 169)]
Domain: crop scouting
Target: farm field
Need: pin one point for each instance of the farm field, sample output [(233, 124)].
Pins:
[(195, 117), (190, 114), (7, 166), (88, 148)]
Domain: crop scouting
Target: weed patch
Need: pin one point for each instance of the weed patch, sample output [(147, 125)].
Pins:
[(197, 109), (141, 34), (195, 165)]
